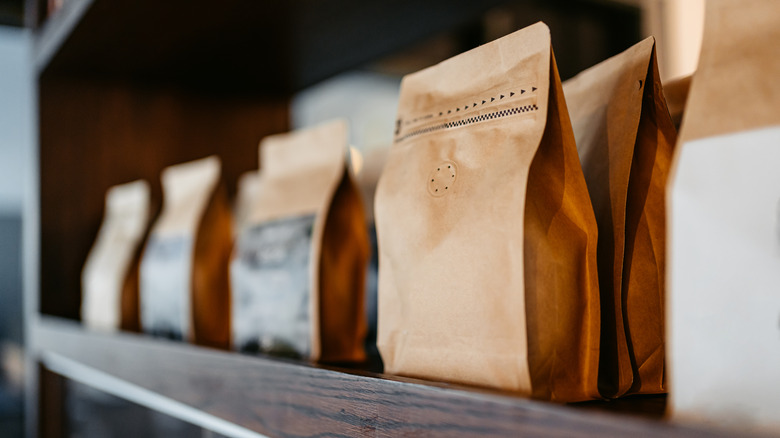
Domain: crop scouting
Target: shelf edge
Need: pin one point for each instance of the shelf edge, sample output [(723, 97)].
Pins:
[(274, 397), (112, 385), (56, 30)]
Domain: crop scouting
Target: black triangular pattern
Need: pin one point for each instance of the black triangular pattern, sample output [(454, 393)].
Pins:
[(483, 102), (533, 88), (522, 91), (492, 99), (470, 120), (511, 93), (502, 96)]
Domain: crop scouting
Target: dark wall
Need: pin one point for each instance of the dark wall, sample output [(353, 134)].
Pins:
[(11, 12)]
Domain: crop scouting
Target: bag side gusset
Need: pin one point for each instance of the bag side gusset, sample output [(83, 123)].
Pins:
[(561, 279), (605, 102), (645, 269)]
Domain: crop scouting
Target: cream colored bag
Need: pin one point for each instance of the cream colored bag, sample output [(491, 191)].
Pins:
[(625, 137), (298, 269), (724, 225), (248, 184), (109, 280), (184, 280), (487, 239)]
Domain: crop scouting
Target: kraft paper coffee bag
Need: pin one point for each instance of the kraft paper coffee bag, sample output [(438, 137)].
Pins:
[(367, 180), (625, 137), (248, 183), (184, 278), (110, 276), (298, 269), (487, 238), (724, 226), (676, 93)]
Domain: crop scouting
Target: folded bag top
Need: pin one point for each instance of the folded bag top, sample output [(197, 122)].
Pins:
[(487, 239)]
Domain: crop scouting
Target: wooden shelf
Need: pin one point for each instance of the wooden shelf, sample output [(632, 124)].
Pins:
[(239, 395), (245, 46)]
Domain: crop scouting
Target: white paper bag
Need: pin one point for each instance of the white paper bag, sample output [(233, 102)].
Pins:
[(723, 288), (105, 278), (725, 278)]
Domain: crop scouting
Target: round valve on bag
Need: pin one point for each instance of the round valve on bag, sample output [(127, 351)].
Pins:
[(442, 178)]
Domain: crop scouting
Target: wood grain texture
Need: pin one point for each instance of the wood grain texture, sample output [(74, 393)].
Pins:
[(283, 398), (51, 399), (94, 135)]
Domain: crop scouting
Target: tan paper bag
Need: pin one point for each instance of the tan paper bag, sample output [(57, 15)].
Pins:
[(299, 265), (248, 184), (367, 179), (487, 239), (625, 137), (724, 225), (109, 280), (184, 279), (676, 93)]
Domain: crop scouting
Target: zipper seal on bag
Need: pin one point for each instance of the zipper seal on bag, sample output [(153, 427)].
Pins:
[(526, 94), (470, 120)]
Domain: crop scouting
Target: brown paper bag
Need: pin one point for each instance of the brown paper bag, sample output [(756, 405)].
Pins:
[(676, 94), (109, 280), (299, 266), (724, 226), (625, 137), (487, 239), (367, 179), (184, 280), (248, 184)]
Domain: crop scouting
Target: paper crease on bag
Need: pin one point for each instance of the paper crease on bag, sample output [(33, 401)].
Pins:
[(724, 216), (486, 234), (625, 137)]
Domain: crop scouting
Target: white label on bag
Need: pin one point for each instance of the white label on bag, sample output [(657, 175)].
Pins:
[(165, 286), (724, 280), (271, 287)]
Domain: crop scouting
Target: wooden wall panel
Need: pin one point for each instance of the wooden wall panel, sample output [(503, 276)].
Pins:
[(94, 135)]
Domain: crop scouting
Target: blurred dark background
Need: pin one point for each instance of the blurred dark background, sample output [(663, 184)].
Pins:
[(11, 12)]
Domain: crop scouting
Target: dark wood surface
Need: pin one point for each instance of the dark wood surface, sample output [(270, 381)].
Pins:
[(51, 401), (94, 135), (245, 45), (283, 398)]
